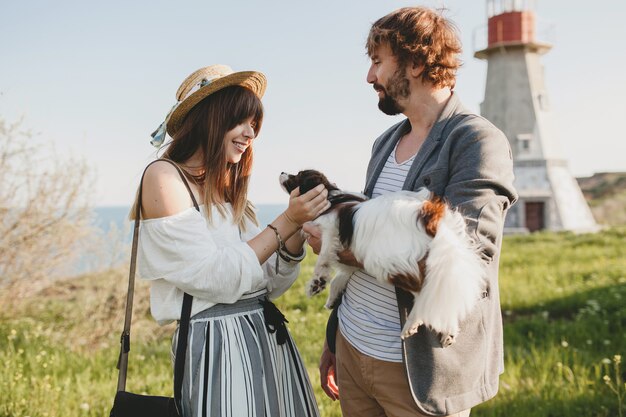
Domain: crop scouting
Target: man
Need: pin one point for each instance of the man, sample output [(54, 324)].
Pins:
[(461, 157)]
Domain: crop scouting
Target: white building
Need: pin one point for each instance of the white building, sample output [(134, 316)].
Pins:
[(517, 102)]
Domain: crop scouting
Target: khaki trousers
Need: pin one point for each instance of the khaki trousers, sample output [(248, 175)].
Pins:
[(370, 387)]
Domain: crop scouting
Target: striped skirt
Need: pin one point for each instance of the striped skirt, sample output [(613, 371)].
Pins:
[(236, 365)]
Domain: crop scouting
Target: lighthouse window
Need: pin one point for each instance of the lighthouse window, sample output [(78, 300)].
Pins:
[(523, 142)]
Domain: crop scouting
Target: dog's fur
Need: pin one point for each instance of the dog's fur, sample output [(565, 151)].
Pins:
[(412, 240)]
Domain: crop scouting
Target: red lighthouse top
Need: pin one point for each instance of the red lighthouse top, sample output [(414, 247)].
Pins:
[(510, 21), (511, 25), (518, 27)]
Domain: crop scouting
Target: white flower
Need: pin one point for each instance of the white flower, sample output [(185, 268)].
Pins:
[(594, 304)]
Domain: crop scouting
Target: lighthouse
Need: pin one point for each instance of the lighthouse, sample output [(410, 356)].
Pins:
[(517, 101)]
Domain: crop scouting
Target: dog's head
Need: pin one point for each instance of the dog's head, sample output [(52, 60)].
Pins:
[(306, 180)]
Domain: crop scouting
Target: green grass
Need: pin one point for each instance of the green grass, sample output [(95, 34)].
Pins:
[(562, 299)]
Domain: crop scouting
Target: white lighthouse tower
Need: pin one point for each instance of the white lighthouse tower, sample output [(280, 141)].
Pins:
[(517, 102)]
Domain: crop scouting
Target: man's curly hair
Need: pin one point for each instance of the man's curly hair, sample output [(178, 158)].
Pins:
[(420, 36)]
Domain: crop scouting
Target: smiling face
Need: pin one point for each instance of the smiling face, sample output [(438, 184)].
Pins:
[(239, 139), (389, 80), (214, 143)]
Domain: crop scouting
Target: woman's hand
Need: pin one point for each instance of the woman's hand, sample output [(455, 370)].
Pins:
[(314, 239), (302, 208), (306, 207), (314, 236)]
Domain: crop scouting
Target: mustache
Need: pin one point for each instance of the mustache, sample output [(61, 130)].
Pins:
[(379, 87)]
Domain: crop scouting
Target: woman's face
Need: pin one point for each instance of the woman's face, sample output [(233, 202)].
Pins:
[(238, 139)]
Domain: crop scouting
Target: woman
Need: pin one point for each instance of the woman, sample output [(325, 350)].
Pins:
[(236, 363)]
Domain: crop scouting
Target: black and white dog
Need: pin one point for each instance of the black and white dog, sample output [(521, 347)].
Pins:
[(410, 239)]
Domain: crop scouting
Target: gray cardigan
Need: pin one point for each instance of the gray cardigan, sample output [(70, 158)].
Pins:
[(466, 160)]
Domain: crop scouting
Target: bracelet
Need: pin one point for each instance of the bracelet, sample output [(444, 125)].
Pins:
[(282, 251), (290, 257), (281, 245), (279, 239)]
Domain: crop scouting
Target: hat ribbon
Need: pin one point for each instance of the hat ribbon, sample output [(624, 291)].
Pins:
[(158, 136)]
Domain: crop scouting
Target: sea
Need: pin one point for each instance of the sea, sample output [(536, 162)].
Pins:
[(108, 216)]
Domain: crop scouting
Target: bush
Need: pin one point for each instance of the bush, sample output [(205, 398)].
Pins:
[(45, 211)]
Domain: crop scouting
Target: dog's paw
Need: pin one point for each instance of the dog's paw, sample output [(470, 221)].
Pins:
[(410, 328), (446, 339), (316, 286)]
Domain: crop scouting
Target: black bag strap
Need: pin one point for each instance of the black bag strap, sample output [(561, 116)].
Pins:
[(183, 329)]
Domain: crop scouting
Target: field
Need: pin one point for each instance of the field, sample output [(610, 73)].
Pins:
[(563, 305)]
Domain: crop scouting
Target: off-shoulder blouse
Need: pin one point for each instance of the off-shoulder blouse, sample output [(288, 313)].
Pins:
[(212, 262)]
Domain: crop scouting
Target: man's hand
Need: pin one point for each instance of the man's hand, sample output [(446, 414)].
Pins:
[(328, 378)]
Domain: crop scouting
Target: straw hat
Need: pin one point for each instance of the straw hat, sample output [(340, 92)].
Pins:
[(201, 84)]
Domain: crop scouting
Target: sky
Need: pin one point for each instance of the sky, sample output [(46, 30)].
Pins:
[(94, 79)]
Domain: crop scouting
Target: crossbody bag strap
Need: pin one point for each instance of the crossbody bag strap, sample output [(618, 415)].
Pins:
[(185, 315)]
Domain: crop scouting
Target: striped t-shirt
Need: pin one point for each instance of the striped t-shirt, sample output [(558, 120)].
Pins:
[(368, 314)]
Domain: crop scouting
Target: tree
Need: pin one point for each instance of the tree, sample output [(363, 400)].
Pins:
[(45, 211)]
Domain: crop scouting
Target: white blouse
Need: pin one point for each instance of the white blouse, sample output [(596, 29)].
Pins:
[(213, 263)]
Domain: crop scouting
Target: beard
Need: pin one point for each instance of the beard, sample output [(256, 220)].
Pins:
[(397, 87)]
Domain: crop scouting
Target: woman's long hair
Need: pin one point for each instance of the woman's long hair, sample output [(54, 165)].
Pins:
[(203, 129)]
